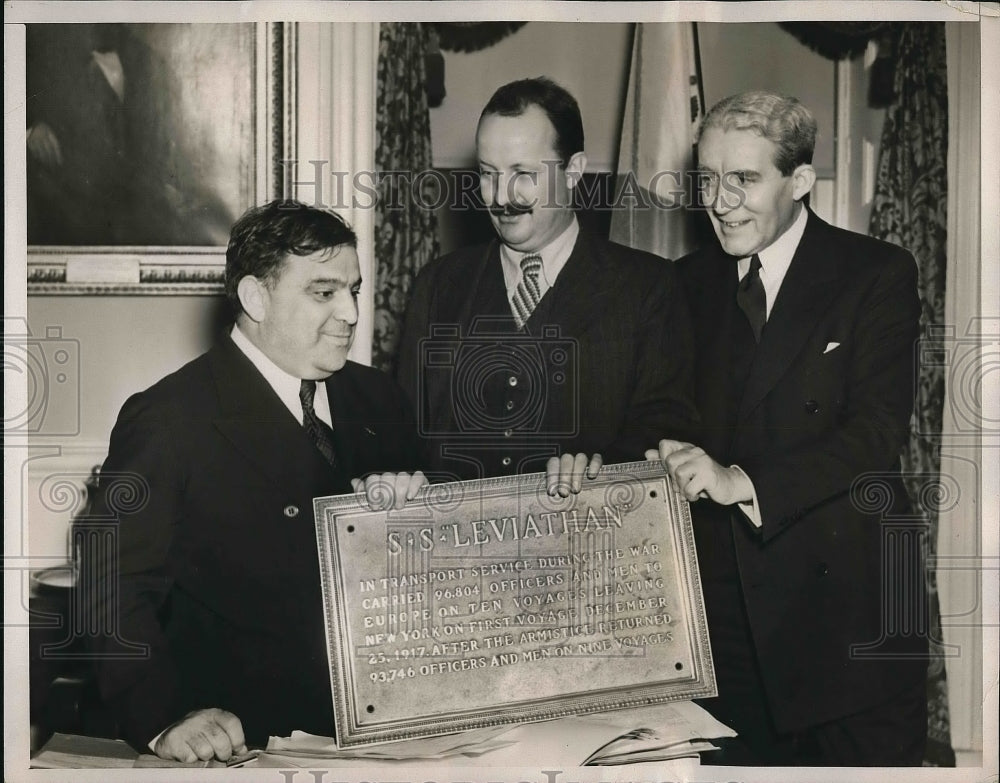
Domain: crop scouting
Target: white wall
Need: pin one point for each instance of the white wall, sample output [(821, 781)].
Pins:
[(124, 344)]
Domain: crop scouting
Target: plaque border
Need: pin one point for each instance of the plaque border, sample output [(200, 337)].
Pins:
[(349, 733)]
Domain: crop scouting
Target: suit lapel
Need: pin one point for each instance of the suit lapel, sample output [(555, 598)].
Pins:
[(581, 281), (466, 286), (257, 423), (809, 286), (454, 305), (350, 433)]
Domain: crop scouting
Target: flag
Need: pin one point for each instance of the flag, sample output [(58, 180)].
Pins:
[(662, 112)]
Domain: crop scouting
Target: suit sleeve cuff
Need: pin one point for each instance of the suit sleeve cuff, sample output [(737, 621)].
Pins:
[(751, 509)]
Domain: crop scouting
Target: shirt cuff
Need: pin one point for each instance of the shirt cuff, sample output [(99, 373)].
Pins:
[(152, 742), (750, 509)]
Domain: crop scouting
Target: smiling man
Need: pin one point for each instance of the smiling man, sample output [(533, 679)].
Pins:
[(548, 340), (805, 386), (218, 573)]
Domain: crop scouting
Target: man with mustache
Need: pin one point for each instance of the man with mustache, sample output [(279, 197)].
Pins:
[(210, 477), (547, 341)]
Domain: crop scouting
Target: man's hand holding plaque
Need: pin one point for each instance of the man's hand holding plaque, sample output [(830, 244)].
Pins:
[(389, 490), (699, 476), (564, 474)]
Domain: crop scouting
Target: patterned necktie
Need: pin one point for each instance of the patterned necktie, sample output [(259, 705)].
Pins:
[(527, 294), (320, 432), (751, 298)]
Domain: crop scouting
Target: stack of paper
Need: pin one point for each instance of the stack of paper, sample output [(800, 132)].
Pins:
[(652, 733), (467, 743), (658, 732)]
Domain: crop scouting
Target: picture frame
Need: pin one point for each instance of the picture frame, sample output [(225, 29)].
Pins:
[(156, 249)]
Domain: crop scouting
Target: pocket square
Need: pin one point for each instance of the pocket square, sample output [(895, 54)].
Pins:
[(830, 347)]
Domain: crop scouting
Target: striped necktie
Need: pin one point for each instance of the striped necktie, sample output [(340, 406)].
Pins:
[(318, 430), (527, 294)]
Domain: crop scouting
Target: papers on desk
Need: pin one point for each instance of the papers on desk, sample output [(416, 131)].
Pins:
[(652, 733), (659, 732), (466, 743)]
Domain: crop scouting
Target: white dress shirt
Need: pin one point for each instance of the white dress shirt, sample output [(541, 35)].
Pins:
[(554, 257), (285, 386), (774, 262), (776, 258)]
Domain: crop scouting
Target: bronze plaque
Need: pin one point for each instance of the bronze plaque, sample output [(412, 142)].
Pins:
[(488, 602)]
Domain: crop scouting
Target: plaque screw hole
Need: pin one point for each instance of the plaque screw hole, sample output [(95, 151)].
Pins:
[(350, 529), (678, 666), (652, 494), (370, 708)]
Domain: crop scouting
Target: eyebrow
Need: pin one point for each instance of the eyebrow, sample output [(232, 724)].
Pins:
[(527, 165), (337, 281)]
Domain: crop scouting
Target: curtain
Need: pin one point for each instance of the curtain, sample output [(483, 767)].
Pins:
[(662, 111), (405, 225), (910, 210)]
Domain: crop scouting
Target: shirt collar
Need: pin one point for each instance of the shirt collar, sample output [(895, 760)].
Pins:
[(286, 386), (554, 256), (777, 257)]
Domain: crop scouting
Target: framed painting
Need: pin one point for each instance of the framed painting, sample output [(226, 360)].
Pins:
[(145, 142)]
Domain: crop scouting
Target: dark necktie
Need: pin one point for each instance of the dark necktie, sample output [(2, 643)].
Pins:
[(320, 432), (527, 294), (751, 298)]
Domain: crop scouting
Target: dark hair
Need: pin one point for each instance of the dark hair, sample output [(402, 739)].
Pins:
[(513, 99), (783, 120), (264, 236)]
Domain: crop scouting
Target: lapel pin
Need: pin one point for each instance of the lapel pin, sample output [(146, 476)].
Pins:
[(369, 430)]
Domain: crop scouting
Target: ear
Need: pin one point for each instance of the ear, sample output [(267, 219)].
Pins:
[(253, 297), (803, 179), (575, 167)]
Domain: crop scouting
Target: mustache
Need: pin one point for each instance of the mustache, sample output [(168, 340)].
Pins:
[(510, 209)]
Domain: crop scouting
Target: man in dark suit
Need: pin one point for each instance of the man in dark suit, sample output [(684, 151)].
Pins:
[(217, 572), (805, 386), (548, 340)]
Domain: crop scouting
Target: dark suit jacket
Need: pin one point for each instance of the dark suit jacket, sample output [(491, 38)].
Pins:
[(814, 419), (217, 562), (619, 311)]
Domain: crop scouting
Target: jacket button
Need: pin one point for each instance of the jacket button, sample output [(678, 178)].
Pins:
[(812, 406), (291, 511), (822, 569)]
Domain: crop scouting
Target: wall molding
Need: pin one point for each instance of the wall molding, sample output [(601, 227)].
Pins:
[(961, 528)]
